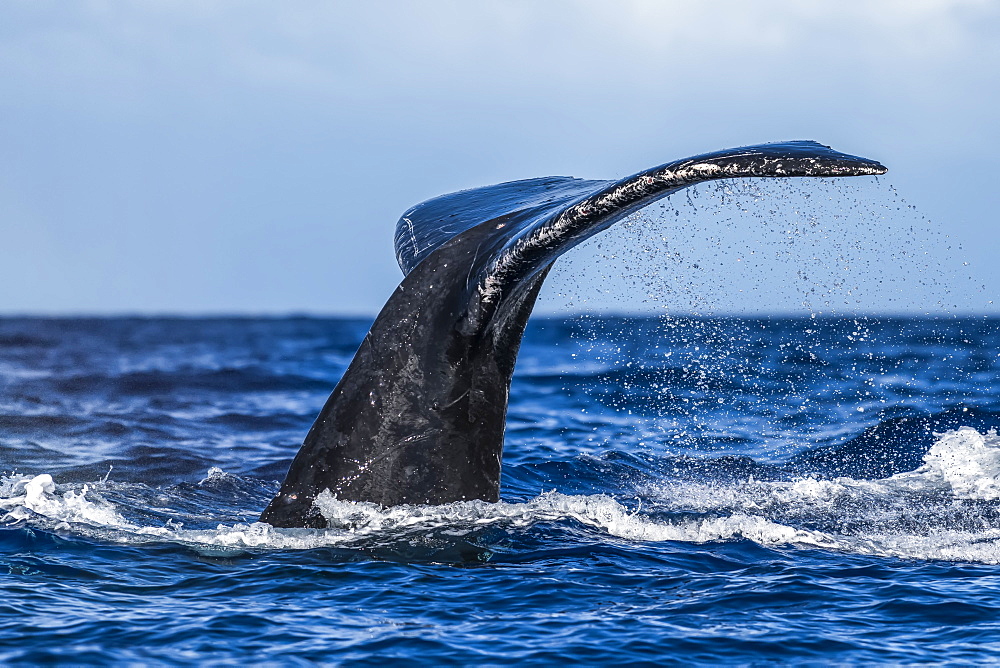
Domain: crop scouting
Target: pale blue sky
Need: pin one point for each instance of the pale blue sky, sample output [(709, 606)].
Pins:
[(243, 156)]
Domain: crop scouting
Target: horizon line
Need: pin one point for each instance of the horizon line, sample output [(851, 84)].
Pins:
[(598, 313)]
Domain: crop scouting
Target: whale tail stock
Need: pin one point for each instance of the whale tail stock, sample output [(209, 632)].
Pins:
[(418, 416)]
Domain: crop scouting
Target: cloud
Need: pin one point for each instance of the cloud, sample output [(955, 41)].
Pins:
[(335, 50)]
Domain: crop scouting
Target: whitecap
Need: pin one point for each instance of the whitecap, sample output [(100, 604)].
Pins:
[(946, 509)]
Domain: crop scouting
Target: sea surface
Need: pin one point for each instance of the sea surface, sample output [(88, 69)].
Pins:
[(698, 491)]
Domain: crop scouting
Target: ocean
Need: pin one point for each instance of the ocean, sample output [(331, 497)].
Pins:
[(675, 490)]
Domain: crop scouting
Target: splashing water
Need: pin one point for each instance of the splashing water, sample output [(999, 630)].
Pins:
[(747, 246)]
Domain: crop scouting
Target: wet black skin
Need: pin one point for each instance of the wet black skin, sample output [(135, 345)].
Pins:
[(418, 418)]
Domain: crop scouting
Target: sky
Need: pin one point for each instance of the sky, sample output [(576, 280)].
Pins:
[(253, 157)]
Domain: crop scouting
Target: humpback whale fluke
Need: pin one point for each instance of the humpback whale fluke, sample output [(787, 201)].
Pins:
[(419, 415)]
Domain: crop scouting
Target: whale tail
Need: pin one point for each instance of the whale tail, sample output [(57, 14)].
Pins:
[(419, 415)]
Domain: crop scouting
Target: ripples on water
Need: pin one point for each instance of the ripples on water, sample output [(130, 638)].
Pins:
[(699, 490)]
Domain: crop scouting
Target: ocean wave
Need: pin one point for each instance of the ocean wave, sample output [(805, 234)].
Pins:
[(947, 509)]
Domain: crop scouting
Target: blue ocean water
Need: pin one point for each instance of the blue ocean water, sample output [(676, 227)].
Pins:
[(674, 490)]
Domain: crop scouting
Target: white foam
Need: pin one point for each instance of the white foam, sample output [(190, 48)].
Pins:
[(25, 497), (39, 500), (934, 512), (963, 461), (597, 511)]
